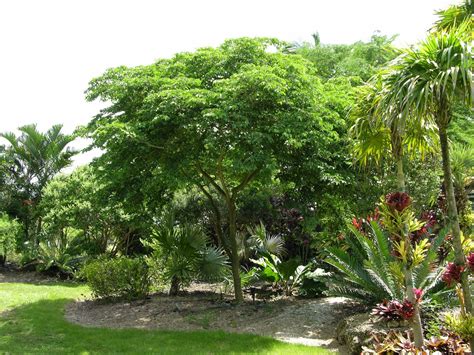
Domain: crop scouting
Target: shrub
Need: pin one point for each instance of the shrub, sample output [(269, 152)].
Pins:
[(8, 232), (287, 275), (121, 277)]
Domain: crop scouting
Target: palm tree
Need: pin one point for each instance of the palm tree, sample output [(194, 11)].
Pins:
[(454, 16), (381, 129), (33, 158), (430, 79)]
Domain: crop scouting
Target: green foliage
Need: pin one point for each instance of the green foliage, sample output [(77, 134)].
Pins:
[(287, 275), (314, 284), (358, 60), (369, 272), (32, 159), (9, 230), (120, 277), (462, 325), (80, 202), (181, 254)]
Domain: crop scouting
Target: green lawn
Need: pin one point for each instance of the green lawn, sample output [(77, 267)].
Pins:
[(34, 323)]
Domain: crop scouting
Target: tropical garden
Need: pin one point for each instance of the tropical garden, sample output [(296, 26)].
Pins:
[(244, 187)]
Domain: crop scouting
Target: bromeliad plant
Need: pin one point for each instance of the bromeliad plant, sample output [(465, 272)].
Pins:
[(400, 222), (461, 323)]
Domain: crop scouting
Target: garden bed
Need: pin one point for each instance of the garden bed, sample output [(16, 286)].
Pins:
[(305, 321)]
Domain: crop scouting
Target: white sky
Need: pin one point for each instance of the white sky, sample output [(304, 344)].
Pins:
[(50, 49)]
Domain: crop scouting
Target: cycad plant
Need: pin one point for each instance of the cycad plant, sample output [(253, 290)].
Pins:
[(370, 271), (181, 254)]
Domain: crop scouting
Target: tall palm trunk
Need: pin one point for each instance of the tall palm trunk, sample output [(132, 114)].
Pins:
[(453, 219)]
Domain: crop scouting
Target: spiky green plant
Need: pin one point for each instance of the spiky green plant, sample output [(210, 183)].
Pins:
[(369, 272)]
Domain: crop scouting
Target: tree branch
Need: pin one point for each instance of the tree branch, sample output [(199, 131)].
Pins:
[(245, 182)]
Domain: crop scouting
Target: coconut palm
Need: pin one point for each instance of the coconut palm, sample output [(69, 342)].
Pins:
[(429, 79)]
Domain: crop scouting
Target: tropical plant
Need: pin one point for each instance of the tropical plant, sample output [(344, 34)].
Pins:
[(258, 241), (370, 272), (9, 230), (182, 253), (428, 80), (33, 158), (286, 275), (58, 255)]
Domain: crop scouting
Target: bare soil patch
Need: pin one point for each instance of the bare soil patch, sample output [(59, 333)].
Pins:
[(11, 274), (305, 321)]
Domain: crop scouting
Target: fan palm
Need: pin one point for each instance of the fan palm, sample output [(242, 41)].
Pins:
[(182, 253), (428, 80)]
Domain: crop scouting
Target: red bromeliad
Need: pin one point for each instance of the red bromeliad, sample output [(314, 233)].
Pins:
[(470, 261), (418, 294), (452, 274), (398, 201)]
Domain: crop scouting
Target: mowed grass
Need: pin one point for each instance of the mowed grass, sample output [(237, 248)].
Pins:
[(32, 321)]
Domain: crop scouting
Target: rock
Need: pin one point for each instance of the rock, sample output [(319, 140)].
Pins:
[(357, 330)]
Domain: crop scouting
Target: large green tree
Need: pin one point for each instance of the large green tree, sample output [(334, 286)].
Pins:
[(220, 119)]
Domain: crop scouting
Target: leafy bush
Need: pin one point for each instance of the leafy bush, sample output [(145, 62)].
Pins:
[(313, 284), (182, 253), (370, 271), (287, 275), (120, 277), (9, 230)]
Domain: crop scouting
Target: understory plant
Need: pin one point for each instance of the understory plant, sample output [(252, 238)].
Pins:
[(182, 253), (120, 277), (369, 268), (285, 275)]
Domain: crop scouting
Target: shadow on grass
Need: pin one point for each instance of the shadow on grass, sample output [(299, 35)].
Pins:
[(40, 327)]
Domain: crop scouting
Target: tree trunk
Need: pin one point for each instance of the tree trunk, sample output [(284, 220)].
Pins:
[(416, 320), (400, 175), (239, 296), (410, 294), (174, 288), (453, 220)]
